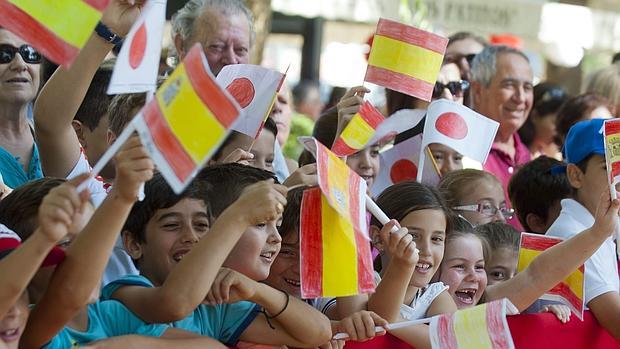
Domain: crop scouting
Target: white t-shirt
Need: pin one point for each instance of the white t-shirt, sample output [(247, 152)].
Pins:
[(602, 268), (420, 304), (120, 264)]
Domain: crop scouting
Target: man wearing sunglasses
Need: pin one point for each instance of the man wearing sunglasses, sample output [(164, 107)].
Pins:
[(503, 91), (19, 83)]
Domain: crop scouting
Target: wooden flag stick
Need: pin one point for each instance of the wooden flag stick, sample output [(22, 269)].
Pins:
[(109, 154), (429, 153), (389, 327)]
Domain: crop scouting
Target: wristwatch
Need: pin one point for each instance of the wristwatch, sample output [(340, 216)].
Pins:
[(106, 34)]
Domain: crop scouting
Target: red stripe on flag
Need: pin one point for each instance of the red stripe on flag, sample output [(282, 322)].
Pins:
[(46, 42), (371, 115), (538, 243), (611, 127), (365, 277), (495, 325), (399, 82), (207, 90), (445, 330), (99, 5), (322, 159), (411, 35), (169, 146), (311, 244), (340, 147), (562, 289)]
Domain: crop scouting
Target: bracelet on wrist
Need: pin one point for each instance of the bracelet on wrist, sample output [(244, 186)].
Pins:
[(108, 35), (271, 317)]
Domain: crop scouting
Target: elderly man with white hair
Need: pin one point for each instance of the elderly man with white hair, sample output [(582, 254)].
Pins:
[(503, 91), (225, 28)]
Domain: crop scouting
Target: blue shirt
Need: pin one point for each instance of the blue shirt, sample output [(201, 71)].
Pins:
[(13, 172), (225, 322), (105, 319)]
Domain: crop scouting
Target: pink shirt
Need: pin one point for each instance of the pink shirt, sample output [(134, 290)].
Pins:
[(503, 166)]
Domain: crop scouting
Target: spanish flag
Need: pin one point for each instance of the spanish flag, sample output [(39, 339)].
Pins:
[(571, 290), (187, 120), (359, 131), (335, 255), (405, 59), (57, 28), (481, 327)]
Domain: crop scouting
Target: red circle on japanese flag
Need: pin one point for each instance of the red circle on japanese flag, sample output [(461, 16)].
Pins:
[(452, 125), (138, 47), (403, 170), (243, 91)]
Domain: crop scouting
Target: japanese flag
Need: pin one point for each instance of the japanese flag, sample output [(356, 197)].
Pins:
[(255, 89), (459, 128), (137, 64), (400, 163)]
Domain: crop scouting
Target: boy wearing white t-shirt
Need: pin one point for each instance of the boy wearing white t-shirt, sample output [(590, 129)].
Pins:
[(587, 173)]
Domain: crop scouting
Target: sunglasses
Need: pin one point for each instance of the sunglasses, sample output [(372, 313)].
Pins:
[(456, 88), (28, 53)]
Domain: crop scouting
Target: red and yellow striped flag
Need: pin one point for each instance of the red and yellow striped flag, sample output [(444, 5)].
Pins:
[(187, 120), (359, 131), (57, 28), (481, 327), (571, 290), (335, 255), (405, 59)]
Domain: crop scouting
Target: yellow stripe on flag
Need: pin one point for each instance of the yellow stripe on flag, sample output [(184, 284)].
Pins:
[(186, 113), (574, 281), (62, 17), (404, 58), (338, 183), (339, 253), (357, 133), (471, 329)]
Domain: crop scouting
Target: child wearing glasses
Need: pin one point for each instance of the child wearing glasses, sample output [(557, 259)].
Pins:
[(476, 195)]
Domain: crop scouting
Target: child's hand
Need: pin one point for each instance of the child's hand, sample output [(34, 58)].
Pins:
[(239, 156), (305, 175), (133, 167), (349, 105), (60, 208), (119, 15), (360, 326), (230, 286), (400, 245), (606, 217), (561, 311), (261, 202)]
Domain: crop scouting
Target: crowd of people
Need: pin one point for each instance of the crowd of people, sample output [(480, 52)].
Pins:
[(219, 264)]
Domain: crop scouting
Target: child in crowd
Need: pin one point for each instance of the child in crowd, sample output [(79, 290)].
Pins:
[(60, 317), (166, 235), (535, 192), (404, 290), (285, 276), (587, 174), (464, 262), (501, 259), (476, 195)]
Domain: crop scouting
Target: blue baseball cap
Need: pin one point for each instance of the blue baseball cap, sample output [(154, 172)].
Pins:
[(584, 138)]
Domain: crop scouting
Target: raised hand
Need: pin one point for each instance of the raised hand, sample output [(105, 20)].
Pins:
[(349, 105), (133, 167), (399, 244), (119, 15), (305, 175), (230, 286), (606, 216), (261, 202)]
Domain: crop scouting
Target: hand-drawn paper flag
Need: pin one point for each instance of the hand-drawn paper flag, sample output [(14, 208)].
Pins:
[(571, 290), (459, 128), (611, 132), (335, 254), (405, 59), (359, 131), (481, 327), (344, 189), (187, 120), (255, 89), (137, 65), (58, 29)]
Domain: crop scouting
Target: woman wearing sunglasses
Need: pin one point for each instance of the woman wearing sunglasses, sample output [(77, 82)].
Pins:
[(19, 83)]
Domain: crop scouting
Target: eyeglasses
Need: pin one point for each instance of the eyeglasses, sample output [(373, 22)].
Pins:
[(487, 209), (456, 88), (28, 53)]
